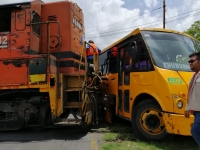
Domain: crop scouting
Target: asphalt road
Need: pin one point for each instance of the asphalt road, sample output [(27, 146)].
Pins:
[(68, 138)]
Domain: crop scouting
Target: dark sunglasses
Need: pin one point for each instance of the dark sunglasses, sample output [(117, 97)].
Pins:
[(191, 61)]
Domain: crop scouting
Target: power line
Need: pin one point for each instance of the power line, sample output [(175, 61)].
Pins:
[(184, 17), (168, 21), (185, 13), (130, 18), (113, 32), (151, 23), (144, 24)]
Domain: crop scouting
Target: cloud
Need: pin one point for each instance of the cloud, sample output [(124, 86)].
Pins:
[(189, 13), (105, 19), (151, 3)]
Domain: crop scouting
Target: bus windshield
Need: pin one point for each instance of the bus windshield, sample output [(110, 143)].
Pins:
[(170, 50)]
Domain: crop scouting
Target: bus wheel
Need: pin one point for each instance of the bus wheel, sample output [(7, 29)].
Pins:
[(147, 122)]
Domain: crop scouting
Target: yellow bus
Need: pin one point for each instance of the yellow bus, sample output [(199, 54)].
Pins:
[(147, 76)]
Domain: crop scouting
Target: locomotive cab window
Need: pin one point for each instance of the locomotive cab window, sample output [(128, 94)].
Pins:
[(36, 20), (5, 20)]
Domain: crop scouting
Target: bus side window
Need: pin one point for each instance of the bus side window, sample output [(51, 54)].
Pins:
[(104, 63), (121, 65), (128, 62), (129, 59), (112, 56), (143, 62), (110, 61), (121, 56)]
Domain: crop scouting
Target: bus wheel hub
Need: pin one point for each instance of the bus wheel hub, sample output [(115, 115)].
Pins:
[(152, 122)]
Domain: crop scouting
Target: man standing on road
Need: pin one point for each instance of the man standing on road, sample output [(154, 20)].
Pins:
[(193, 105)]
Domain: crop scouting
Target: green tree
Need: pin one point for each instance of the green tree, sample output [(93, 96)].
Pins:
[(194, 30)]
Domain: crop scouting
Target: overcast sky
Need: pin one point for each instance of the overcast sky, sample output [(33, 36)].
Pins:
[(108, 20)]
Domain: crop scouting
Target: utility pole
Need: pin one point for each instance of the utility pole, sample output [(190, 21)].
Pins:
[(164, 14)]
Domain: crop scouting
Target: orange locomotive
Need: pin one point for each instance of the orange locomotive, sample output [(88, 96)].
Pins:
[(42, 61)]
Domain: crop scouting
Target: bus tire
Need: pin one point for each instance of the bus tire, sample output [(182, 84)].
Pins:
[(147, 122)]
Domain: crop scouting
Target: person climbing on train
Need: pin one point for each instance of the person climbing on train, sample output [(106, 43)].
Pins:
[(91, 49)]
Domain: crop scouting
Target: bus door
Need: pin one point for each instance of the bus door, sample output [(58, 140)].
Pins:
[(124, 82), (134, 73)]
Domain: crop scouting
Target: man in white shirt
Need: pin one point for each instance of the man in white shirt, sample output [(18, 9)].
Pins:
[(193, 105)]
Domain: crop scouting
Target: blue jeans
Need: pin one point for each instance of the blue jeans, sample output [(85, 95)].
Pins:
[(195, 130)]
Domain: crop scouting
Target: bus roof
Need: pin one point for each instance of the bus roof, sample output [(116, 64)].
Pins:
[(137, 30)]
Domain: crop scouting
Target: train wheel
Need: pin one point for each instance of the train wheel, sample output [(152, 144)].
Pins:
[(147, 122)]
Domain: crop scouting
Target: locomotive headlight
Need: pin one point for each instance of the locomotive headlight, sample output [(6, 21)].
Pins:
[(179, 103)]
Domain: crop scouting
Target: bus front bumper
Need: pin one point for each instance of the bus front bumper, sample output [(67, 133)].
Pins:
[(178, 124)]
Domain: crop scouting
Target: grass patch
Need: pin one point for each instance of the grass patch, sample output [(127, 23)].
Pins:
[(110, 137), (120, 136), (129, 145)]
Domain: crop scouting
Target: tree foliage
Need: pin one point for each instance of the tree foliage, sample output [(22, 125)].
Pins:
[(194, 30)]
